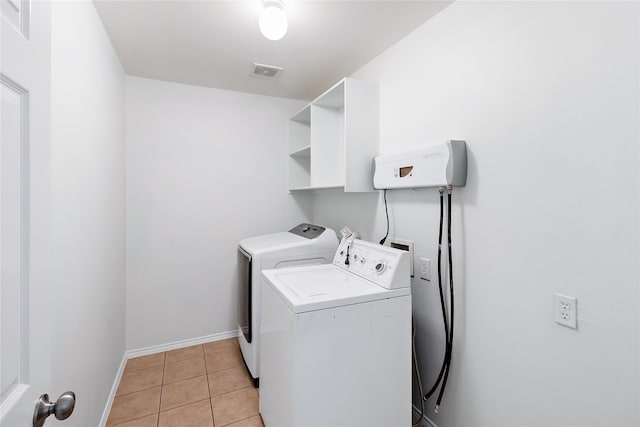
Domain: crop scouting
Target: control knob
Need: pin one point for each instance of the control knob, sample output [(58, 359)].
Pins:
[(380, 266)]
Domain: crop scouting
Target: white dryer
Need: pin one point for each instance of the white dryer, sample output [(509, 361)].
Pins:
[(336, 341), (305, 244)]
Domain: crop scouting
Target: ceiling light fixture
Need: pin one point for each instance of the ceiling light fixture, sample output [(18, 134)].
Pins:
[(273, 22)]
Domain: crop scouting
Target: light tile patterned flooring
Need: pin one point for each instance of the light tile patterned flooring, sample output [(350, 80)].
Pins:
[(200, 386)]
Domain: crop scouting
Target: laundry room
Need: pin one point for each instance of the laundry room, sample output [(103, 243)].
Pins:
[(153, 159)]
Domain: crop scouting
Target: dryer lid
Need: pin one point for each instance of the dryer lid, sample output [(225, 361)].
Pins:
[(312, 237), (271, 242)]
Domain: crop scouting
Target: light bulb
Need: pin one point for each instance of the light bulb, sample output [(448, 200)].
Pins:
[(273, 22)]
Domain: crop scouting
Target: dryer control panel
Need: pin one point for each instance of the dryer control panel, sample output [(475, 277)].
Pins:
[(385, 266), (309, 231)]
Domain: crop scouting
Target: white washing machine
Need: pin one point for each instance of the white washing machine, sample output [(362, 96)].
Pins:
[(304, 244), (336, 341)]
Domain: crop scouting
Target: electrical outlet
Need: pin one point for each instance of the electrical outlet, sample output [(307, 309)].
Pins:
[(425, 269), (566, 310)]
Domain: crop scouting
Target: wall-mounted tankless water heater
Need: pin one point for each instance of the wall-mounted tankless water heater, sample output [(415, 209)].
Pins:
[(440, 165)]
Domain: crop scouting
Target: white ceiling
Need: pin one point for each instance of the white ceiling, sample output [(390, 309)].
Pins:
[(214, 43)]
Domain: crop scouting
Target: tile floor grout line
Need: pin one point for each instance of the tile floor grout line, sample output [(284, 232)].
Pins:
[(187, 403), (127, 370), (183, 404), (184, 379), (220, 351), (184, 360), (133, 419), (135, 391), (208, 383), (241, 419), (233, 391), (224, 369), (130, 370), (213, 419), (164, 363), (204, 361)]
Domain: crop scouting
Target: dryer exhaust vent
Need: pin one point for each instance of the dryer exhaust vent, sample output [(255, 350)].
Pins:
[(265, 71)]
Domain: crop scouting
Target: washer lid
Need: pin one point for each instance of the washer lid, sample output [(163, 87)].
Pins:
[(319, 287)]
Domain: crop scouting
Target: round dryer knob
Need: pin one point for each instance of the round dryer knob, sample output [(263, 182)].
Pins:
[(380, 266)]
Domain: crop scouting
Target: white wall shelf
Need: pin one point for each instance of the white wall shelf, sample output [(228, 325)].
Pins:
[(333, 140), (307, 188), (302, 152)]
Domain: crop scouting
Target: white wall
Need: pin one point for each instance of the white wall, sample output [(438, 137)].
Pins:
[(546, 95), (205, 168), (88, 210)]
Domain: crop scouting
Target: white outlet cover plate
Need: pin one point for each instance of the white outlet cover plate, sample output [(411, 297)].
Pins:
[(566, 310), (425, 269)]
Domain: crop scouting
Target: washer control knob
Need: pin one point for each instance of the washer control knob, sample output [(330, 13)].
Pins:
[(362, 260), (380, 266)]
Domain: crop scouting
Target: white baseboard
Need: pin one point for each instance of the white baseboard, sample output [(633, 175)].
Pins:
[(426, 422), (112, 394), (179, 344), (129, 354)]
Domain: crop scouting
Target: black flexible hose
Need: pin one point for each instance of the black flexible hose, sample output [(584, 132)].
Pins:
[(451, 302), (386, 210), (444, 313)]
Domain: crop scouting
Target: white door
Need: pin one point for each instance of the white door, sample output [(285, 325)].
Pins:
[(26, 324)]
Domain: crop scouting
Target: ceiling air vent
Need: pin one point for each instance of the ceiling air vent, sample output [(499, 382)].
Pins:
[(266, 71)]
